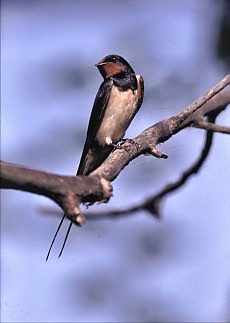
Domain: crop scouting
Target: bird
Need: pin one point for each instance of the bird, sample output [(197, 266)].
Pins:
[(117, 101)]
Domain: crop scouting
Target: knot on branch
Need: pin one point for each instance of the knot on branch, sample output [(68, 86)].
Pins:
[(70, 201), (70, 204), (107, 189)]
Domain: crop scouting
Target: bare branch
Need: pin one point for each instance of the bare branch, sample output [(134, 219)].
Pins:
[(202, 124), (69, 191)]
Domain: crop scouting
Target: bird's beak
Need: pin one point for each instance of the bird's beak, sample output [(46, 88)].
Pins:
[(100, 64)]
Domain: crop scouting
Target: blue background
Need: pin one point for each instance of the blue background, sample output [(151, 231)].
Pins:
[(134, 268)]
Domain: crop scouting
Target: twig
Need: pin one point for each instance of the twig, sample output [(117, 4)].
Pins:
[(202, 124)]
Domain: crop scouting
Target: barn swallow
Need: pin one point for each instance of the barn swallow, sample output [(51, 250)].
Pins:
[(117, 101)]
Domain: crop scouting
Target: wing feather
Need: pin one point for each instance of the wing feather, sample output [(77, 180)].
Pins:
[(96, 117)]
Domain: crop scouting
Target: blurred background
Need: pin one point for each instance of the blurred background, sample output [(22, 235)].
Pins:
[(134, 268)]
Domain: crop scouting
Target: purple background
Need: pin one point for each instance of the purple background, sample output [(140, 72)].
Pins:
[(134, 268)]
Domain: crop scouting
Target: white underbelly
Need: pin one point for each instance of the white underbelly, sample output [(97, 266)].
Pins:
[(118, 115)]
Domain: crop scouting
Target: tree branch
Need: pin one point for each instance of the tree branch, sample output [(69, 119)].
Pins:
[(202, 124), (153, 204), (69, 191), (145, 143)]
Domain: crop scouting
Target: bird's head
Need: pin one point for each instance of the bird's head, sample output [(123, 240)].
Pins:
[(112, 65)]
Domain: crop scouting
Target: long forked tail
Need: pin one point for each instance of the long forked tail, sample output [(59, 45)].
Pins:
[(54, 238), (89, 162), (66, 237)]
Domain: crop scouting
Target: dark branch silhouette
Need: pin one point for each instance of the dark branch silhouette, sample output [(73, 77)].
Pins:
[(69, 191)]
